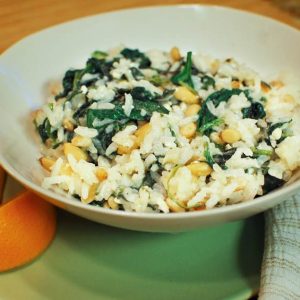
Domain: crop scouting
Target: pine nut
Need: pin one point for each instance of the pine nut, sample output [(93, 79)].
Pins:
[(183, 94), (230, 136)]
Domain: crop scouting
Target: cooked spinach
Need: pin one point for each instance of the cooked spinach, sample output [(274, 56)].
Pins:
[(275, 126), (207, 81), (67, 83), (208, 157), (167, 95), (82, 110), (185, 75), (43, 130), (115, 114), (46, 132), (258, 152), (285, 132), (148, 180), (158, 80), (118, 114), (136, 55), (205, 116), (99, 54), (69, 136), (221, 159), (271, 183), (140, 93), (211, 125), (97, 203), (150, 107), (72, 79), (255, 111), (99, 66), (103, 140), (120, 95), (136, 73)]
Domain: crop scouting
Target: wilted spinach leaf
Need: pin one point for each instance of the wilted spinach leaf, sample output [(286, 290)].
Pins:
[(136, 55), (207, 81), (68, 83), (185, 75), (99, 54), (43, 130), (255, 111), (140, 93), (118, 114), (136, 73), (208, 157), (158, 80), (258, 152), (209, 126), (205, 116), (271, 183), (221, 159), (99, 66), (82, 110), (104, 139), (148, 180), (275, 126)]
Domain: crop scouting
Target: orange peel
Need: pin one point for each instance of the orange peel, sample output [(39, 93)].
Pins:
[(27, 227)]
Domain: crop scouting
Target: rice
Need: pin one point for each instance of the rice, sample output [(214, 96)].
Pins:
[(157, 132)]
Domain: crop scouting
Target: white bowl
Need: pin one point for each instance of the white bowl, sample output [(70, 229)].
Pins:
[(25, 69)]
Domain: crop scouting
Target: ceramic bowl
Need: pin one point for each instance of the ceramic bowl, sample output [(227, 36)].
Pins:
[(27, 67)]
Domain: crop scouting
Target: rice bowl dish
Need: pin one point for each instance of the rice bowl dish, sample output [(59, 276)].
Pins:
[(159, 131)]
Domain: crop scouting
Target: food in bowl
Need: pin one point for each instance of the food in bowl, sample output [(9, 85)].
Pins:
[(157, 131)]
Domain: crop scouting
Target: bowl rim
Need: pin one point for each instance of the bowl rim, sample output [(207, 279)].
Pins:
[(70, 201), (193, 6), (289, 189)]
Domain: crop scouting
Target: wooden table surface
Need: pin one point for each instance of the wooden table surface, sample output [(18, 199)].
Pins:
[(19, 18)]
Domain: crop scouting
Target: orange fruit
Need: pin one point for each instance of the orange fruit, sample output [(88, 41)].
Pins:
[(27, 227)]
